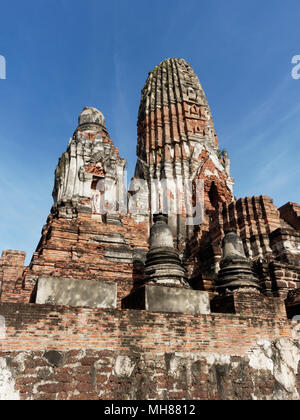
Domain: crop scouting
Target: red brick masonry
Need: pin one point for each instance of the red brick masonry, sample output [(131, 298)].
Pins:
[(67, 353)]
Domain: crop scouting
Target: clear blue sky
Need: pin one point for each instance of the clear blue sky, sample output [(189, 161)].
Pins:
[(63, 55)]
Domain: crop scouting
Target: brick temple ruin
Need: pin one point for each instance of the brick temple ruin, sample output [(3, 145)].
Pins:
[(131, 294)]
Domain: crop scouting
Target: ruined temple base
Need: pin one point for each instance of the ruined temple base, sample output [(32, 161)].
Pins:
[(155, 298)]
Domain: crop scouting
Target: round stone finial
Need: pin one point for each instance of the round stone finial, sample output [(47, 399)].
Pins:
[(161, 233), (233, 245), (91, 115), (160, 218)]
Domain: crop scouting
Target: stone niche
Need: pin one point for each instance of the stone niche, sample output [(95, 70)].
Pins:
[(293, 304), (76, 293)]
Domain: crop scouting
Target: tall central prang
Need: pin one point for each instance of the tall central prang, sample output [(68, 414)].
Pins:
[(177, 144)]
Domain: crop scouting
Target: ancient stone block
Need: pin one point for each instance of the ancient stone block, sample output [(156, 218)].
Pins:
[(169, 299), (78, 293)]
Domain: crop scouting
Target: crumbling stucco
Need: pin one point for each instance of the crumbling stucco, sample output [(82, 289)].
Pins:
[(7, 382), (269, 371), (282, 359)]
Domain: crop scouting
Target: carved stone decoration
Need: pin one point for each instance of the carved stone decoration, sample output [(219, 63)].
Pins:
[(90, 175), (163, 264), (236, 273)]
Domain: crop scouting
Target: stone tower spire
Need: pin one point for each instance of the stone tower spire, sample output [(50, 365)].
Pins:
[(173, 109), (89, 177), (177, 143)]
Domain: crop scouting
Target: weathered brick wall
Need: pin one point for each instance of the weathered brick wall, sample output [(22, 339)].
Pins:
[(277, 278), (285, 244), (11, 272), (66, 353), (107, 375), (271, 243), (34, 327), (83, 248), (254, 218), (290, 212)]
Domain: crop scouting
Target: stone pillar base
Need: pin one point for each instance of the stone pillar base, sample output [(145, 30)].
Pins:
[(155, 298), (249, 304)]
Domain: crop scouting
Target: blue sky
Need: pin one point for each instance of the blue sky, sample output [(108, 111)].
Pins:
[(63, 55)]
